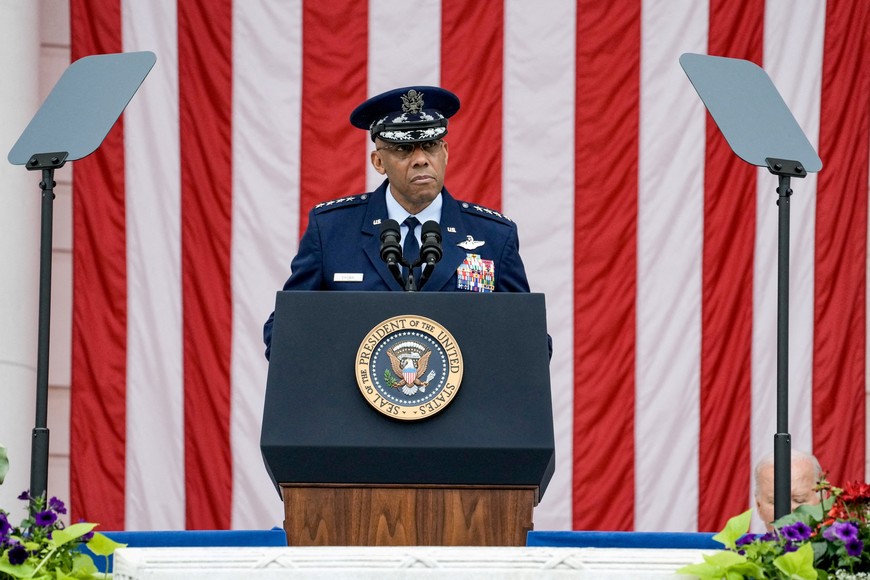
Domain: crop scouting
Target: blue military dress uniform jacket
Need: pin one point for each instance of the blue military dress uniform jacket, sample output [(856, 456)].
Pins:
[(340, 249)]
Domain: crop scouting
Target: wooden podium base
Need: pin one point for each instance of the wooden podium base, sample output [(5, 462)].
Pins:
[(369, 515)]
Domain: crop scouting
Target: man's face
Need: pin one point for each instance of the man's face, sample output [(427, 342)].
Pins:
[(802, 483), (416, 175)]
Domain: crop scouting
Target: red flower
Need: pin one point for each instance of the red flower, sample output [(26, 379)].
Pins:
[(855, 492), (838, 512)]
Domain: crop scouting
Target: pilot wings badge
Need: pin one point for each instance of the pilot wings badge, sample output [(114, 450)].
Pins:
[(409, 367), (470, 243)]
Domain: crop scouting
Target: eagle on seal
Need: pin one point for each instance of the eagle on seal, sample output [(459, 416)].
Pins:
[(408, 372)]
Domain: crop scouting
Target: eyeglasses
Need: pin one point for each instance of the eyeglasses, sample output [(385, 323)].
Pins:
[(405, 150)]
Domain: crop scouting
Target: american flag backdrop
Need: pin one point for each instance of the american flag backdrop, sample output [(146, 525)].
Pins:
[(654, 245)]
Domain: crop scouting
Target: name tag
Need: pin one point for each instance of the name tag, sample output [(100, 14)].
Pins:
[(347, 277)]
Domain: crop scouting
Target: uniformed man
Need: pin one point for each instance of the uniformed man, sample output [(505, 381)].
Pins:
[(341, 248)]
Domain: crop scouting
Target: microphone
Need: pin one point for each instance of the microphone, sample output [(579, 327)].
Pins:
[(430, 249), (391, 251)]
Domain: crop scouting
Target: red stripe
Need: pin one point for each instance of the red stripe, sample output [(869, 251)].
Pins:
[(605, 281), (736, 30), (205, 101), (334, 76), (841, 241), (472, 67), (99, 325)]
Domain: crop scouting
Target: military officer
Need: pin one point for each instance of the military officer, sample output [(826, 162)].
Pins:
[(341, 248)]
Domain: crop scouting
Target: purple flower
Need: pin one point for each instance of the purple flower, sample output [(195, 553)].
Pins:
[(789, 547), (844, 531), (854, 547), (25, 495), (797, 532), (45, 518), (88, 537), (5, 528), (56, 506), (745, 539), (769, 537), (17, 555)]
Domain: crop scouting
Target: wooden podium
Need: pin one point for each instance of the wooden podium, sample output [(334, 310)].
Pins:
[(411, 515), (349, 475)]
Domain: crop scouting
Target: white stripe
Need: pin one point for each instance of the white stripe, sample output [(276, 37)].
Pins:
[(267, 53), (20, 28), (404, 49), (786, 41), (155, 398), (538, 193), (670, 242)]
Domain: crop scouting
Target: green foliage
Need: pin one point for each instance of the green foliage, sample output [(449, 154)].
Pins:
[(390, 378), (4, 463), (41, 547), (815, 542), (734, 529), (797, 564)]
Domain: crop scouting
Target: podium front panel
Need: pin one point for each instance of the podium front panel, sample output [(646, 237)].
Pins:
[(498, 430)]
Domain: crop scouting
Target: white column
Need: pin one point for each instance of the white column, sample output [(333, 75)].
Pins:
[(19, 245)]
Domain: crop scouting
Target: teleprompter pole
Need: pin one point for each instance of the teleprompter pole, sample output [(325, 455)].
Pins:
[(785, 170), (47, 163)]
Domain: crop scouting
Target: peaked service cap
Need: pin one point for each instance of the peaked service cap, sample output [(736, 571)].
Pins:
[(407, 115)]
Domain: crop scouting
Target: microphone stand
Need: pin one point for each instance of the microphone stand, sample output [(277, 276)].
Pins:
[(410, 283), (427, 272), (397, 273)]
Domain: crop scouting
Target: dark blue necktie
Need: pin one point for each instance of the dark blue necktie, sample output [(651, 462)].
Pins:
[(410, 245)]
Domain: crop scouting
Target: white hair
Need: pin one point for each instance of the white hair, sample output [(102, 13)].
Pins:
[(796, 456)]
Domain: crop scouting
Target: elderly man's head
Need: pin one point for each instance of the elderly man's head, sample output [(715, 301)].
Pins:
[(805, 474)]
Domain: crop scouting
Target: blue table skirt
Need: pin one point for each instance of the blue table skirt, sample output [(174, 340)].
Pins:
[(657, 540)]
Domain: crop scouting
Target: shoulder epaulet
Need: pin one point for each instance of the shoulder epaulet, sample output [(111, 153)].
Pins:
[(476, 209), (341, 202)]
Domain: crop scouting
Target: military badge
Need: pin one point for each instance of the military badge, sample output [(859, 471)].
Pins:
[(409, 367), (475, 274), (470, 243), (412, 102)]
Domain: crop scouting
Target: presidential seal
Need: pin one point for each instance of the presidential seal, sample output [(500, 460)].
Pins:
[(409, 367)]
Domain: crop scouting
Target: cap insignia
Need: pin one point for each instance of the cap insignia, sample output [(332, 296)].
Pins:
[(412, 102)]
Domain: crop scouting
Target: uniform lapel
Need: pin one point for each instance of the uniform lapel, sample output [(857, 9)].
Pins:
[(452, 233), (371, 229)]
